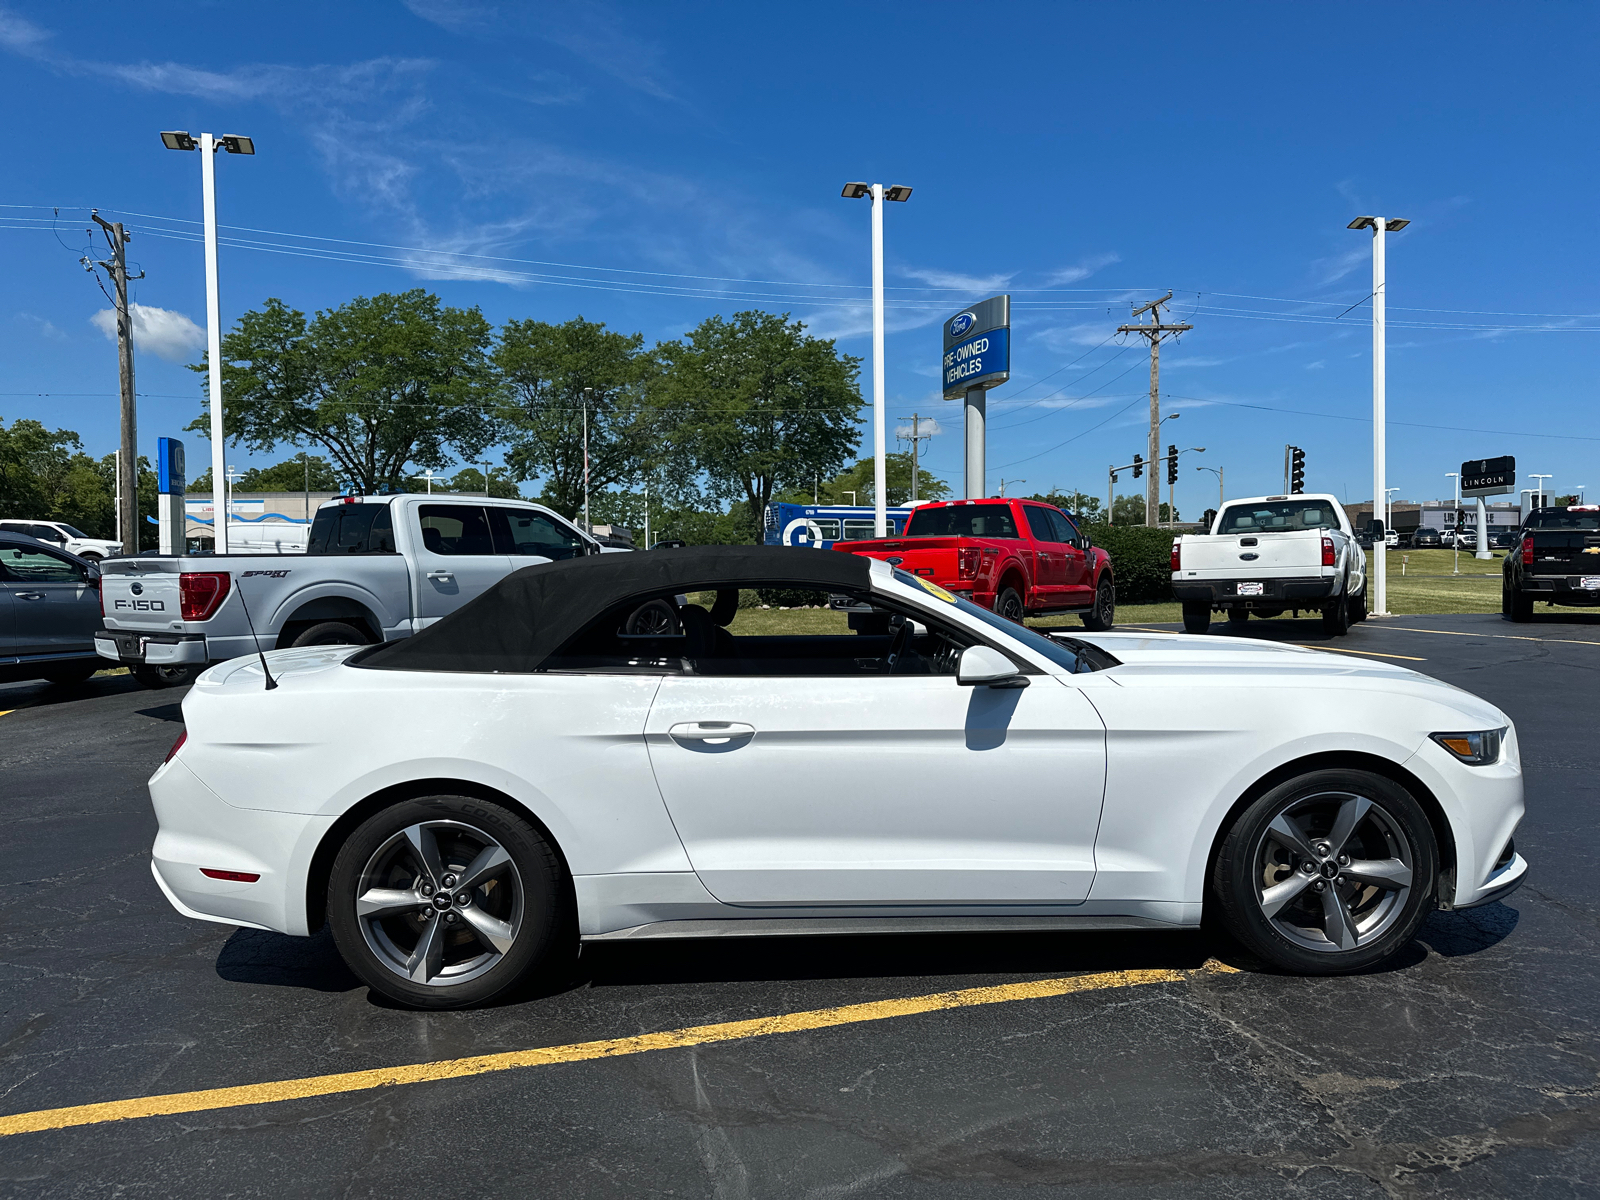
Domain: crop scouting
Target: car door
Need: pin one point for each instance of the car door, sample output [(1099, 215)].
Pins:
[(879, 789), (1049, 558), (55, 608), (456, 559), (8, 625), (529, 536), (1079, 568)]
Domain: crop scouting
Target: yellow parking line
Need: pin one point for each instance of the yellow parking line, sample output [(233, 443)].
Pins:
[(6, 712), (1373, 653), (1510, 637), (483, 1064)]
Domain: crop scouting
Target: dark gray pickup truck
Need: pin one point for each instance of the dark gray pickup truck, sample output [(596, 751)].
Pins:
[(1556, 560)]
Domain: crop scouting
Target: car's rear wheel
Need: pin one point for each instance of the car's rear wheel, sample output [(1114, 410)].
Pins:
[(331, 633), (1104, 613), (1328, 873), (447, 901), (1516, 605), (1358, 607), (1196, 616), (166, 677), (1009, 605), (1336, 617)]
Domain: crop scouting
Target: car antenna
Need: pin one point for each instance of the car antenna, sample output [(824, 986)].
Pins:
[(271, 682)]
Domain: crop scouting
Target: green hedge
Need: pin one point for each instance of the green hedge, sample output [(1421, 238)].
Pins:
[(1141, 561)]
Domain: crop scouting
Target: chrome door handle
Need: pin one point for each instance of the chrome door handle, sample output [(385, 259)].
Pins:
[(29, 595), (713, 733), (441, 574)]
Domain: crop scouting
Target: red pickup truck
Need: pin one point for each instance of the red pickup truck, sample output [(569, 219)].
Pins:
[(1020, 558)]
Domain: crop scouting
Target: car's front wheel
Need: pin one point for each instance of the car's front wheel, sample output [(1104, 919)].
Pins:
[(447, 901), (1104, 613), (1328, 873)]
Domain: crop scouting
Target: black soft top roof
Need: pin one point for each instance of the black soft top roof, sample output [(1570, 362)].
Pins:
[(522, 620)]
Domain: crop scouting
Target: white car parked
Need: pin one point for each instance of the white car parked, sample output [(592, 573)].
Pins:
[(583, 752), (59, 533)]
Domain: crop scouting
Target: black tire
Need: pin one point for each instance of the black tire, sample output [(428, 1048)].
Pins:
[(1196, 616), (1358, 608), (525, 897), (1389, 826), (1009, 605), (1517, 605), (1104, 613), (1238, 616), (1336, 618), (332, 633), (166, 677), (76, 673)]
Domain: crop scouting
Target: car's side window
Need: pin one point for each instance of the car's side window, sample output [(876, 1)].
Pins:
[(455, 529), (1039, 524), (519, 532), (20, 565), (1065, 530)]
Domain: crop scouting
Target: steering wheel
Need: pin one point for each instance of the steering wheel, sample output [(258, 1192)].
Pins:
[(902, 635), (655, 619)]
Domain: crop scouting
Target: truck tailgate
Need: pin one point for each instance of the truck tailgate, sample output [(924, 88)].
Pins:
[(1564, 552), (932, 558), (148, 600), (1269, 555)]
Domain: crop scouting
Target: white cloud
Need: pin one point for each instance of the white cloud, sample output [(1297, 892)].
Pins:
[(1065, 337), (41, 327), (925, 426), (164, 333), (1082, 270), (956, 282), (1316, 366), (1335, 268)]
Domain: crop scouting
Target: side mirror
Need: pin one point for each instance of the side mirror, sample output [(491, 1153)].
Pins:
[(983, 666), (1375, 529)]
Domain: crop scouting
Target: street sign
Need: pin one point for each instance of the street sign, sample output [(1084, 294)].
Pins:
[(977, 347), (1489, 476)]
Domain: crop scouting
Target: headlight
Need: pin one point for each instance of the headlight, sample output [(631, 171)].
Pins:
[(1474, 749)]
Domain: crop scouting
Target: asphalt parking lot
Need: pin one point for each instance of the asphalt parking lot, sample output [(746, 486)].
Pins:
[(1115, 1065)]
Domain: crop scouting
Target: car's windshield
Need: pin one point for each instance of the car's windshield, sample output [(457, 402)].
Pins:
[(70, 531), (1564, 518), (1063, 656), (1277, 516), (963, 520)]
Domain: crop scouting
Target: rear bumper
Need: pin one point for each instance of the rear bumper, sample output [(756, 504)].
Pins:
[(156, 649), (1562, 589), (1275, 593)]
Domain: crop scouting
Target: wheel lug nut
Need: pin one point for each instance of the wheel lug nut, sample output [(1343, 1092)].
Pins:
[(451, 919), (1319, 886), (1308, 867), (427, 889), (425, 914), (448, 881), (464, 899), (1344, 860)]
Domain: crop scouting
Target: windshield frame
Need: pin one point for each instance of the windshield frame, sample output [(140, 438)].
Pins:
[(1287, 504)]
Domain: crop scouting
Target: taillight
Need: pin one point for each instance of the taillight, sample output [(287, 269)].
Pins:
[(1327, 552), (201, 593), (1177, 555), (1527, 551), (100, 590), (176, 746), (967, 559)]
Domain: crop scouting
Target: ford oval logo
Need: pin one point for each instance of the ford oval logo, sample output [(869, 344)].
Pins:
[(137, 589), (961, 323), (1249, 557)]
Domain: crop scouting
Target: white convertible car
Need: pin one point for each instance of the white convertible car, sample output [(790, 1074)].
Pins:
[(588, 752)]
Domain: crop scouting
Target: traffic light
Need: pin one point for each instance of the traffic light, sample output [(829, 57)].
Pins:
[(1297, 470), (1138, 466), (1172, 464)]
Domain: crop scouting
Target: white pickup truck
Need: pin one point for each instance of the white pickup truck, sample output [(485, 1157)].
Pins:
[(376, 568), (1269, 555)]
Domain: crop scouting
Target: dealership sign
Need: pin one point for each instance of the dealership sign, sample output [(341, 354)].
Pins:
[(1489, 476), (977, 347)]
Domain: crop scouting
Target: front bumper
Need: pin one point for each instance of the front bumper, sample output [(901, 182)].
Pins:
[(1275, 593), (156, 649)]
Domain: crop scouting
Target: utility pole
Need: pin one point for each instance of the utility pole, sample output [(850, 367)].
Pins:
[(485, 465), (587, 528), (917, 437), (1155, 331), (128, 459)]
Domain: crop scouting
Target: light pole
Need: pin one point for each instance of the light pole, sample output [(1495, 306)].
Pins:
[(1154, 521), (1379, 225), (428, 475), (208, 146), (1543, 493), (227, 507), (1388, 515), (587, 528), (1217, 471), (1456, 475), (878, 194)]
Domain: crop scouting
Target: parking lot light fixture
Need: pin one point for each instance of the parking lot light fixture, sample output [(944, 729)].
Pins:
[(877, 194), (208, 146), (1379, 225)]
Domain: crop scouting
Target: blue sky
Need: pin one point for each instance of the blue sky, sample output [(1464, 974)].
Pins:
[(648, 165)]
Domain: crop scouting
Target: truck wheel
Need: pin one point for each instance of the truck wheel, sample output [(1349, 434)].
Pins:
[(1358, 608), (1328, 873), (165, 677), (1009, 605), (1196, 616), (331, 633), (1521, 606), (446, 901), (1104, 613), (1238, 616), (1336, 617)]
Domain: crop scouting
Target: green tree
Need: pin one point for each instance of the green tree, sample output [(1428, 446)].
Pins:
[(469, 481), (544, 370), (754, 407), (44, 473), (382, 383), (287, 476), (858, 480), (1079, 503)]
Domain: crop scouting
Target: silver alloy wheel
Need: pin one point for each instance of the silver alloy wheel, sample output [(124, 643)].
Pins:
[(1333, 871), (440, 903)]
